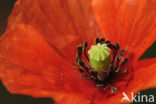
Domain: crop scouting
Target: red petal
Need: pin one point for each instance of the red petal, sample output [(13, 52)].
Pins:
[(143, 78), (131, 22), (64, 23), (30, 66)]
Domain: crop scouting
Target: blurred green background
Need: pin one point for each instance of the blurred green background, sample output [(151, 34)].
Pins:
[(7, 98)]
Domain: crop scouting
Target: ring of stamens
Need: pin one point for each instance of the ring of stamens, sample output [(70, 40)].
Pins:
[(116, 67)]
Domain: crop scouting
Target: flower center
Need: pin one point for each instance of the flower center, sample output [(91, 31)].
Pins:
[(104, 64), (100, 60)]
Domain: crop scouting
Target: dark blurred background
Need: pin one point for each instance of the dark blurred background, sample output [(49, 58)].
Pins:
[(7, 98), (5, 10)]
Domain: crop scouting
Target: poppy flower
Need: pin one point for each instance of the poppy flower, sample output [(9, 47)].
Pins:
[(38, 49)]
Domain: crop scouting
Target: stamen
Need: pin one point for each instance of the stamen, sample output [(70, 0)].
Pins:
[(97, 40), (114, 89), (107, 42), (102, 78), (118, 60), (122, 52), (81, 70), (117, 46), (110, 45), (124, 62), (114, 55), (84, 50), (79, 51), (82, 63), (117, 68), (93, 73), (102, 41)]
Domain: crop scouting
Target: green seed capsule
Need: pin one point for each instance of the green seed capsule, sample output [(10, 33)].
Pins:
[(100, 59)]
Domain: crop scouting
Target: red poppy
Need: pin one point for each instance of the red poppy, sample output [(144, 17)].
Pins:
[(38, 48)]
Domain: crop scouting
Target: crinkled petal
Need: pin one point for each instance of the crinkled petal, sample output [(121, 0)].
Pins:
[(65, 24), (132, 23), (30, 66)]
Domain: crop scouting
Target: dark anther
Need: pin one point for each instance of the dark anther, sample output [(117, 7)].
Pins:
[(82, 63), (79, 48), (81, 70), (114, 47), (85, 44), (114, 55), (110, 46), (108, 42), (118, 60), (77, 60), (97, 40), (86, 68), (117, 46), (84, 50), (93, 73), (114, 89), (79, 51), (102, 41), (122, 52), (124, 61)]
